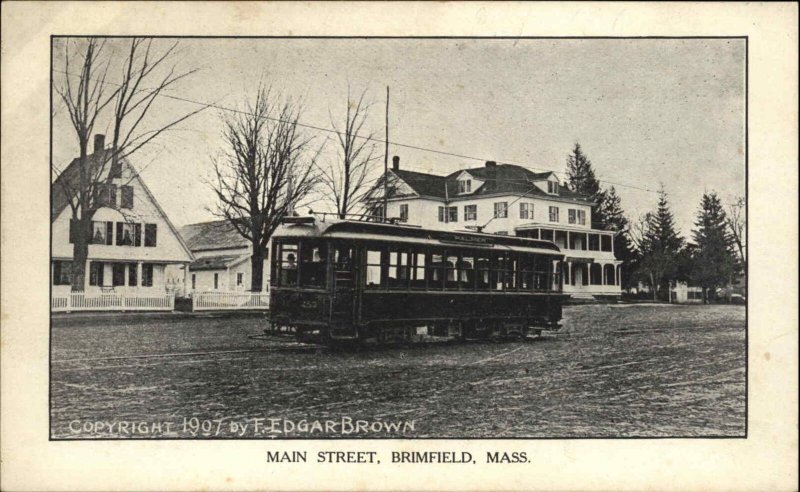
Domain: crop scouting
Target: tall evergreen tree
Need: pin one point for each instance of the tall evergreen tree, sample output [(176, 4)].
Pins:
[(660, 246), (613, 218), (581, 179), (714, 259)]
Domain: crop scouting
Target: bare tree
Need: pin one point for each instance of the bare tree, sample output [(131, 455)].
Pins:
[(266, 169), (85, 191), (346, 178), (737, 224)]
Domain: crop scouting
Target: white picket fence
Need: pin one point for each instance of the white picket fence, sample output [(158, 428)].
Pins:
[(114, 301), (212, 301)]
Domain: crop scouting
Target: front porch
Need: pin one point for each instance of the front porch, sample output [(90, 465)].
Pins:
[(112, 286), (585, 278)]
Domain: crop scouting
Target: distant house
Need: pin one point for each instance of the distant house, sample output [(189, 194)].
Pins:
[(222, 258), (132, 241), (510, 200)]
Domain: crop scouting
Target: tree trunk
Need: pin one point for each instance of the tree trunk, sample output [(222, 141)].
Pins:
[(80, 253), (257, 270)]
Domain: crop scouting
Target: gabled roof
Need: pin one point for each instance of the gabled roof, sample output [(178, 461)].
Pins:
[(218, 234), (498, 179), (220, 262), (59, 199), (71, 178)]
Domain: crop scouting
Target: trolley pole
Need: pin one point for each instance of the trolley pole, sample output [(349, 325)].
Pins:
[(386, 163)]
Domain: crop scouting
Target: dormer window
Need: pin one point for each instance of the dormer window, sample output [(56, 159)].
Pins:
[(465, 186), (552, 187)]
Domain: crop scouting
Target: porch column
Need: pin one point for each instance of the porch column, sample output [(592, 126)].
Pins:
[(603, 278), (588, 274), (569, 236)]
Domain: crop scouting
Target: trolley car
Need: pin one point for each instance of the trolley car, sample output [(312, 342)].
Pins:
[(337, 280)]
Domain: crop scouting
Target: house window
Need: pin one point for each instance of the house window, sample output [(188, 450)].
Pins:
[(594, 242), (62, 273), (147, 274), (194, 281), (465, 186), (572, 216), (448, 214), (605, 242), (126, 234), (525, 210), (150, 235), (216, 281), (500, 210), (106, 195), (404, 212), (581, 214), (96, 274), (552, 187), (452, 214), (553, 214), (127, 197), (73, 229), (102, 233), (377, 212), (118, 274), (132, 275), (239, 278), (470, 212)]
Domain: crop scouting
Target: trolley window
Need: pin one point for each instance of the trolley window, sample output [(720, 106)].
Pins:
[(288, 264), (526, 272), (374, 277), (313, 263), (542, 265), (466, 272), (417, 270), (482, 265), (451, 272), (436, 271), (397, 274)]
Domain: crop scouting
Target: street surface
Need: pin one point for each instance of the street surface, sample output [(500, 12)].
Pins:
[(613, 371)]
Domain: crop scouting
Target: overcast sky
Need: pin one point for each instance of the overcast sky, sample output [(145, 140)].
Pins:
[(644, 111)]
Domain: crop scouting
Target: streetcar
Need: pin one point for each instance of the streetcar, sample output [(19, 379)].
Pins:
[(336, 281)]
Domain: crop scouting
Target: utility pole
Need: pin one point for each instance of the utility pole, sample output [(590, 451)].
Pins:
[(386, 163)]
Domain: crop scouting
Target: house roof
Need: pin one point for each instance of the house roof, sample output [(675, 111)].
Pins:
[(498, 179), (70, 176), (69, 179), (218, 234), (220, 262)]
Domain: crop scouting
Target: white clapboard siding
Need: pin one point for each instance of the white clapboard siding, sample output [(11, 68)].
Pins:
[(208, 301), (78, 301)]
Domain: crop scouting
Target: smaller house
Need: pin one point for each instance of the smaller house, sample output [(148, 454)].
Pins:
[(222, 259)]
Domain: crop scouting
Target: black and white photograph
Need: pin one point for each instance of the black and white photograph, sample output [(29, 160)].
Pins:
[(398, 238), (399, 246)]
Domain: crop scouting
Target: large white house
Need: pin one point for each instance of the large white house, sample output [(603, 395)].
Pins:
[(132, 240), (512, 200), (223, 258)]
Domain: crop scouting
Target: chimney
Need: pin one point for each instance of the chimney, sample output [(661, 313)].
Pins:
[(491, 163), (396, 163), (99, 142)]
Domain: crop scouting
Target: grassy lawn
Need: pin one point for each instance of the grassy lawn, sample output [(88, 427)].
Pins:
[(614, 370)]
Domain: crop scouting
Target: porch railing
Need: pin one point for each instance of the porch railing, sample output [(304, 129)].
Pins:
[(112, 301), (208, 301)]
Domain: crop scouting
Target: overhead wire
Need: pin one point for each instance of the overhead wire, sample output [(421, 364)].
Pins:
[(369, 138)]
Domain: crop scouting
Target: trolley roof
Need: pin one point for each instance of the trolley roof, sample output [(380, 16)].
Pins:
[(309, 227)]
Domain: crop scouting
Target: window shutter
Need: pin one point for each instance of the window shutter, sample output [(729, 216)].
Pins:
[(56, 273), (109, 233), (119, 233), (137, 234), (112, 196), (150, 235), (127, 197), (73, 224)]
